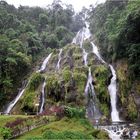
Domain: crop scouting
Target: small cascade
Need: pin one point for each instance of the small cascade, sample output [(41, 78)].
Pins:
[(120, 131), (112, 91), (92, 108), (59, 60), (12, 104), (85, 54), (96, 52), (44, 64), (43, 96)]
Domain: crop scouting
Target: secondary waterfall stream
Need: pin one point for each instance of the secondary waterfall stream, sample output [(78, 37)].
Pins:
[(59, 60), (42, 96), (13, 103)]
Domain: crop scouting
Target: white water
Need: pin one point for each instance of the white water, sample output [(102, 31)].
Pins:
[(96, 52), (112, 91), (12, 104), (85, 55), (43, 96), (44, 64), (112, 88), (92, 110), (59, 60)]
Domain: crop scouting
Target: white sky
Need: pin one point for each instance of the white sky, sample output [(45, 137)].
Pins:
[(77, 4)]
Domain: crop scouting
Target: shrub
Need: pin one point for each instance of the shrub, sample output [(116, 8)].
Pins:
[(5, 132), (74, 112)]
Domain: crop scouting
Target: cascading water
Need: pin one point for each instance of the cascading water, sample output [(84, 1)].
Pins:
[(59, 59), (43, 67), (92, 108), (112, 91), (43, 96), (112, 88), (12, 104), (96, 52)]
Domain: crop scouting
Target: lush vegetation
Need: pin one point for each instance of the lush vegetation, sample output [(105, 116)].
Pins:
[(27, 34), (66, 129), (115, 25)]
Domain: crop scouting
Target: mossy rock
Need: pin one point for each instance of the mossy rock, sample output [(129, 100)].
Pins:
[(132, 109), (101, 76), (87, 46), (34, 82)]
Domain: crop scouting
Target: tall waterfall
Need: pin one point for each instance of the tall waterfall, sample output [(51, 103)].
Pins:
[(12, 104), (59, 60), (92, 109), (44, 64), (112, 88), (43, 96), (112, 91)]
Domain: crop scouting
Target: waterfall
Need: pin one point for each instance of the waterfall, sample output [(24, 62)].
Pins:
[(43, 67), (12, 104), (112, 88), (59, 60), (85, 54), (44, 64), (43, 96), (92, 109), (96, 52), (112, 91)]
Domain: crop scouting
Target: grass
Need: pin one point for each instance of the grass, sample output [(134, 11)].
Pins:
[(66, 124), (8, 118)]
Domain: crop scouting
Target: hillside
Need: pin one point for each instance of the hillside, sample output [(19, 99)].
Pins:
[(67, 75)]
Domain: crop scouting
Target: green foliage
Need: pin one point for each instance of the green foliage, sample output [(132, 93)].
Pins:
[(74, 112), (5, 132), (26, 33), (65, 135), (98, 134), (132, 109), (35, 81), (115, 24)]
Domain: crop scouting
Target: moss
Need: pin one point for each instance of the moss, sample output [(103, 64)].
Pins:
[(35, 81), (87, 46), (132, 109), (28, 101), (66, 74), (80, 81), (100, 76)]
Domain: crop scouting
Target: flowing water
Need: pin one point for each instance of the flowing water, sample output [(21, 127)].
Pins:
[(59, 60), (112, 88), (43, 96), (44, 64), (12, 104), (92, 110)]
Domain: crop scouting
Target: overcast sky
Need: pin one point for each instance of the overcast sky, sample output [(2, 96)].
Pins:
[(78, 4)]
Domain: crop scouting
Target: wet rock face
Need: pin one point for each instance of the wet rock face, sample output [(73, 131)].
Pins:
[(128, 93)]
